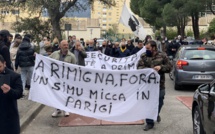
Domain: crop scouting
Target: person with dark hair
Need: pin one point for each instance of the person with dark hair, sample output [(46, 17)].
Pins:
[(148, 38), (138, 47), (4, 49), (159, 61), (129, 45), (42, 44), (11, 90), (17, 39), (14, 48), (72, 42), (82, 42), (105, 49), (25, 60), (158, 42), (205, 41), (10, 38), (173, 48)]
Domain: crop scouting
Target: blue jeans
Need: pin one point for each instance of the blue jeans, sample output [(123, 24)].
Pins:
[(26, 73), (161, 98)]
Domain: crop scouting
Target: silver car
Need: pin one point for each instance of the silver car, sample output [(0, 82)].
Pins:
[(193, 65)]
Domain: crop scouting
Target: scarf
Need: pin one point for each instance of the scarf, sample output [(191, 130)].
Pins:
[(123, 50)]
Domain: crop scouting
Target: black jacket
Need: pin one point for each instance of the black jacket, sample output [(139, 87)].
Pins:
[(130, 47), (4, 51), (25, 55), (107, 50), (135, 50), (9, 116)]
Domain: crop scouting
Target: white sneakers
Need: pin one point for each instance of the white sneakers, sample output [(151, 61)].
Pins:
[(66, 114), (57, 112)]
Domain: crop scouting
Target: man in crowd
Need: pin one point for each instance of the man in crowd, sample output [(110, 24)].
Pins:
[(173, 48), (79, 53), (129, 45), (91, 46), (122, 51), (11, 90), (4, 47), (138, 47), (25, 60), (72, 40), (114, 48), (66, 56), (105, 49), (18, 39), (43, 45), (205, 41), (152, 58)]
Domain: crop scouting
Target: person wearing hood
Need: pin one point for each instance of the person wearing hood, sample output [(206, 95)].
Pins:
[(25, 60), (4, 49)]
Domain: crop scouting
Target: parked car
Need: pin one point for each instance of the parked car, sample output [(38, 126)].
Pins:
[(203, 109), (193, 65)]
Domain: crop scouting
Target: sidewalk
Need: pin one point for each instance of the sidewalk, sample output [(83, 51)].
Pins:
[(28, 110)]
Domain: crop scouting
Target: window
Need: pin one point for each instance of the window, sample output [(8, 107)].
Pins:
[(104, 13), (4, 12), (104, 19), (15, 11), (199, 54), (103, 24), (109, 14), (109, 24), (110, 19), (98, 12)]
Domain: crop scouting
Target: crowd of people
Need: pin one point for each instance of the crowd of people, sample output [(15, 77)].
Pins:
[(18, 57)]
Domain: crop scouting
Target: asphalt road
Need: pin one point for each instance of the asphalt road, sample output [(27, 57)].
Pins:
[(175, 119)]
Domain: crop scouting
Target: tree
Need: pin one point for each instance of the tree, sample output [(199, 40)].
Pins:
[(150, 11), (113, 30), (211, 29), (55, 8), (175, 14), (33, 26), (209, 5), (194, 7)]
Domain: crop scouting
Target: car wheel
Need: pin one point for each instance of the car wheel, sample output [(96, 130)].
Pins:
[(176, 86), (197, 122)]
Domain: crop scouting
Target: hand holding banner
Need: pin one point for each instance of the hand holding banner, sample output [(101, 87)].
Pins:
[(119, 96)]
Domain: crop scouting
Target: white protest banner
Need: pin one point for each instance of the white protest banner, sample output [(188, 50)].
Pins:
[(118, 96), (99, 60)]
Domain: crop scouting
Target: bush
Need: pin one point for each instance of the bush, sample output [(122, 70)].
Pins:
[(171, 33), (189, 33)]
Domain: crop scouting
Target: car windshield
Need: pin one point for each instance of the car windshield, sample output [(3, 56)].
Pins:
[(191, 54)]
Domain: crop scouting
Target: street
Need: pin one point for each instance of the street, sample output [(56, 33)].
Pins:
[(175, 118)]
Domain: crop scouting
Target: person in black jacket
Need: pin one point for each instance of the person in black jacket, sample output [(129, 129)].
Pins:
[(105, 49), (4, 47), (25, 60), (137, 48), (122, 51), (129, 45), (11, 90)]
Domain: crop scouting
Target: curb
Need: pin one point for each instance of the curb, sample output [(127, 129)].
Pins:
[(30, 115)]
